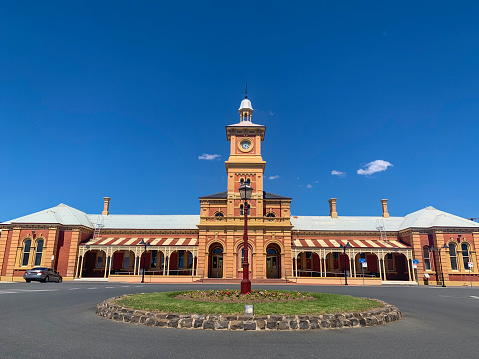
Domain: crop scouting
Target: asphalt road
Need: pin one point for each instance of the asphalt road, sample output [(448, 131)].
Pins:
[(49, 320)]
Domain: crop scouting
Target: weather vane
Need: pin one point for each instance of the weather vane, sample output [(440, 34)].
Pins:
[(246, 91)]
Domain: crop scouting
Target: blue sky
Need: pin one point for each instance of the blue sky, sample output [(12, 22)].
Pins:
[(121, 99)]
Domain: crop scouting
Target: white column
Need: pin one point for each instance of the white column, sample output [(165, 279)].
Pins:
[(163, 254), (409, 268), (384, 269), (136, 260), (81, 265), (353, 260), (379, 266)]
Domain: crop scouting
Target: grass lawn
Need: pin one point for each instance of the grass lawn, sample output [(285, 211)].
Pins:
[(322, 304)]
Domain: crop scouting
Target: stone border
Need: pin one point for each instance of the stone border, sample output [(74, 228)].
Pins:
[(109, 309)]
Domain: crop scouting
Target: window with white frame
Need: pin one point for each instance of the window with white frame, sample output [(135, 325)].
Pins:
[(427, 258), (26, 252), (465, 255), (453, 255), (39, 252)]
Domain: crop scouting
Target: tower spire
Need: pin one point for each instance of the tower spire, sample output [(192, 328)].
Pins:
[(246, 91)]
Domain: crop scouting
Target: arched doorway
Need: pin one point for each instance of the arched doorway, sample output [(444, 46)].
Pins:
[(94, 264), (395, 265), (216, 262), (273, 261)]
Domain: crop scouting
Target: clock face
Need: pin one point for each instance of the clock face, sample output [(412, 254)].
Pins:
[(245, 145)]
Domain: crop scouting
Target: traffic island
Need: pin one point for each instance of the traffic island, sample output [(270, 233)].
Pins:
[(146, 313)]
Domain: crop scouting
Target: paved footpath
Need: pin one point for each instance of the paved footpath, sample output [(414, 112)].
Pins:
[(49, 320)]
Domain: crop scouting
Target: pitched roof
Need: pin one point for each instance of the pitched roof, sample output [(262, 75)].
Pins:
[(268, 195), (224, 195), (138, 221), (220, 195), (344, 223), (425, 218), (431, 217), (61, 214)]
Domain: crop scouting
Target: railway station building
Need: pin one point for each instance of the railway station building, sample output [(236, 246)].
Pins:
[(428, 246)]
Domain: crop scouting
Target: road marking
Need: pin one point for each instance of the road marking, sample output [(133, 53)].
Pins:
[(125, 286), (92, 288), (73, 288), (139, 286), (473, 296), (19, 291), (109, 287)]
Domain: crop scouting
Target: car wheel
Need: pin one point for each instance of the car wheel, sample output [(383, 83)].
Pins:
[(46, 279), (27, 280), (59, 280)]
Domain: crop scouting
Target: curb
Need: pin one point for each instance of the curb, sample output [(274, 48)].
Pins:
[(110, 310)]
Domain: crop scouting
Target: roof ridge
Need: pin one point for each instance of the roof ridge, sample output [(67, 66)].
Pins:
[(68, 209), (53, 214)]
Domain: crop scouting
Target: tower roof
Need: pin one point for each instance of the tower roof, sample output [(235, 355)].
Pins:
[(245, 104)]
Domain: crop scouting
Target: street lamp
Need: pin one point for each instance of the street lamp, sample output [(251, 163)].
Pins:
[(245, 193), (348, 245), (146, 244), (440, 261)]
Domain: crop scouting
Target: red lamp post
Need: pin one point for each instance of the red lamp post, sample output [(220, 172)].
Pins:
[(245, 193)]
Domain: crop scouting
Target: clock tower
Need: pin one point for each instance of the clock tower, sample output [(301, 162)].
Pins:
[(221, 227), (245, 163)]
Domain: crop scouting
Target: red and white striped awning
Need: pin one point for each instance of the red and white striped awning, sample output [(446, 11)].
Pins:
[(355, 243), (117, 241)]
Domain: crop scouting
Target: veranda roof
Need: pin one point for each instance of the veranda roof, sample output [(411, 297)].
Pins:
[(355, 243), (154, 241)]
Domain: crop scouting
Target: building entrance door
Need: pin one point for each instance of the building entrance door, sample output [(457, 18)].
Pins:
[(272, 263), (216, 263)]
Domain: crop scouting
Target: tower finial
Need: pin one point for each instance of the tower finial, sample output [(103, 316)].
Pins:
[(246, 91)]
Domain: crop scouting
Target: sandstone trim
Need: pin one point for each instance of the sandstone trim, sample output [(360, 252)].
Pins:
[(111, 310)]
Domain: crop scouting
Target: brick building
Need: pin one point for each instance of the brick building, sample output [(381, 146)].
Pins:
[(307, 249)]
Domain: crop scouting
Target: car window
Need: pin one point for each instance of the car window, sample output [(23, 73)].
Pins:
[(38, 268)]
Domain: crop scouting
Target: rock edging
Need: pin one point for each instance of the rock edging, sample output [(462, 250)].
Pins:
[(111, 310)]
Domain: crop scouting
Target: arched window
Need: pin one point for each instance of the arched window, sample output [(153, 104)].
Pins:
[(270, 215), (427, 258), (39, 252), (453, 255), (26, 251), (242, 210), (271, 251), (241, 181), (218, 250), (248, 182), (219, 216), (465, 255)]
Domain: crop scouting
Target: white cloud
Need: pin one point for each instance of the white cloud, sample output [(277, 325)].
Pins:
[(271, 113), (373, 167), (316, 181), (309, 186), (338, 173), (208, 157), (273, 177)]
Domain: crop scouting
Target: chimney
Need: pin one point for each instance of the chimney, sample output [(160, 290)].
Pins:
[(332, 208), (385, 208), (106, 205)]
